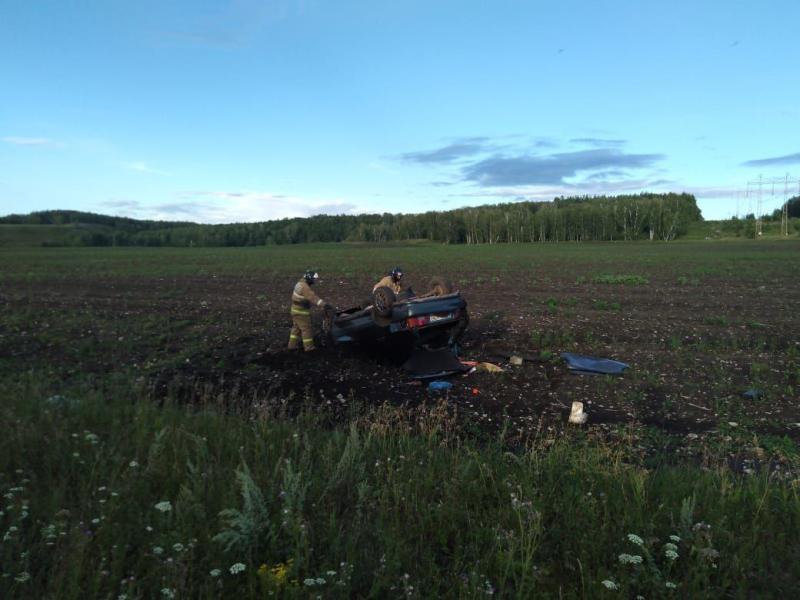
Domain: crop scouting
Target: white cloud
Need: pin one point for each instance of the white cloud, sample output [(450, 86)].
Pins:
[(231, 207), (29, 141), (143, 167), (589, 187)]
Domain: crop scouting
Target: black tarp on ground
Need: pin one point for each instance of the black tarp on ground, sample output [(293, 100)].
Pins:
[(425, 364)]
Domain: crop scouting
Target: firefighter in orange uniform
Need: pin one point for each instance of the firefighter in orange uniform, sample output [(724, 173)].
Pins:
[(303, 299), (392, 281)]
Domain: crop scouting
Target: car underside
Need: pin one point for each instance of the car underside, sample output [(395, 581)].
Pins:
[(434, 319)]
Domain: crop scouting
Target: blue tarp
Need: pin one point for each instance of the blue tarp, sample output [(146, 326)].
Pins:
[(439, 386), (593, 365)]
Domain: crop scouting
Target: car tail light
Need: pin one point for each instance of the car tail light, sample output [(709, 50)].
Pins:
[(414, 322)]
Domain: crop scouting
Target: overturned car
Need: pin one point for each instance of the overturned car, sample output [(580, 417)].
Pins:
[(435, 319)]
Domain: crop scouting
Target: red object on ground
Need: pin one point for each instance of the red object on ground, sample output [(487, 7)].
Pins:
[(475, 391)]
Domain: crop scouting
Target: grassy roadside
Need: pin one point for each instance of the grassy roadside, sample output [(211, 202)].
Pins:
[(107, 495)]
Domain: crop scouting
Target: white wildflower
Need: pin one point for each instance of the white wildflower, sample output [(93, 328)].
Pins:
[(671, 554), (675, 538), (158, 550), (610, 585), (630, 559), (215, 572), (669, 546), (635, 539), (309, 582), (670, 585), (320, 581), (22, 577), (167, 593), (237, 568), (133, 464), (164, 506), (330, 573), (178, 547)]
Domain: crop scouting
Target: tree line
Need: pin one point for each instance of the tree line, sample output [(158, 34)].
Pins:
[(584, 218)]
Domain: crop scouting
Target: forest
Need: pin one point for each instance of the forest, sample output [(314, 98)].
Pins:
[(587, 218)]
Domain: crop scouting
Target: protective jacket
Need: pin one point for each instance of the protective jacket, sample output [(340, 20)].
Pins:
[(303, 298), (387, 281)]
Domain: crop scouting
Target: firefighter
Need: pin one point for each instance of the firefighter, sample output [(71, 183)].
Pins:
[(392, 281), (303, 298)]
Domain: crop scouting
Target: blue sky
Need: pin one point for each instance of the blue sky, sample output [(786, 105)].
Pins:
[(245, 111)]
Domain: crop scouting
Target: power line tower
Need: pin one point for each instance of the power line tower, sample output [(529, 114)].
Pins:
[(758, 187), (759, 224), (785, 211)]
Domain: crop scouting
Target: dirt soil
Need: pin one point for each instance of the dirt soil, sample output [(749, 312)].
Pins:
[(224, 336)]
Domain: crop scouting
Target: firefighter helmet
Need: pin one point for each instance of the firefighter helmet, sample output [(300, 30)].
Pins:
[(397, 273), (311, 276)]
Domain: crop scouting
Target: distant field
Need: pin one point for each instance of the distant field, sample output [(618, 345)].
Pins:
[(35, 235), (160, 374), (718, 230)]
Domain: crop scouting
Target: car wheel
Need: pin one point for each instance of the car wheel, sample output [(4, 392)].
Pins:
[(441, 286), (382, 301)]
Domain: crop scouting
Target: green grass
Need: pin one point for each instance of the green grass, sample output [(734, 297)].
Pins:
[(125, 497), (572, 260), (606, 305)]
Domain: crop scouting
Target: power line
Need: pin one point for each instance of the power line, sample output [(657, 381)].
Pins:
[(758, 190)]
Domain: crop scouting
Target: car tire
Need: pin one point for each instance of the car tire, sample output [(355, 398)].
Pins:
[(441, 286), (383, 301)]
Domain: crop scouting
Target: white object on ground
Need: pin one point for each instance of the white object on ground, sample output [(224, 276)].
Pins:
[(577, 415)]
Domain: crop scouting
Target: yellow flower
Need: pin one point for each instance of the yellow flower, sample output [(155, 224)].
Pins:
[(275, 576)]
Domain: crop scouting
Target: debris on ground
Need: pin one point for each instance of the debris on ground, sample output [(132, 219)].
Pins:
[(592, 365), (752, 394), (439, 386), (576, 415), (487, 367), (515, 360)]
